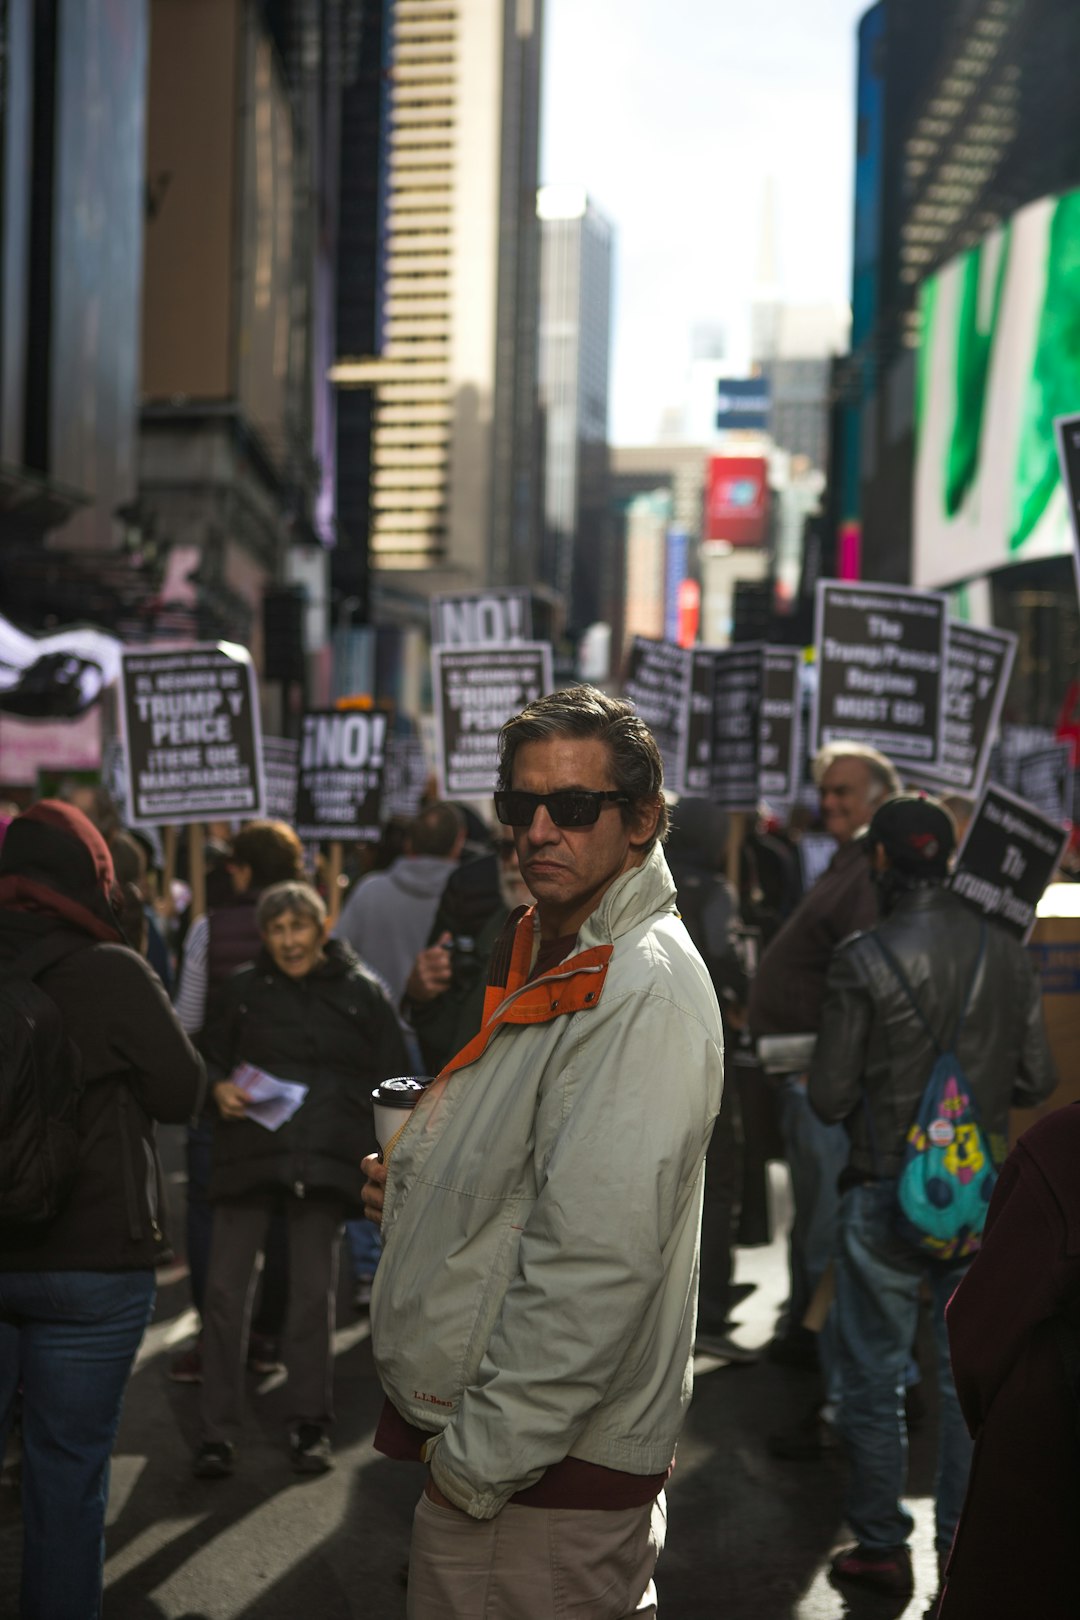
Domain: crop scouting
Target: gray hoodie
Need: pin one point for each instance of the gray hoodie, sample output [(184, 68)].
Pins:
[(387, 918)]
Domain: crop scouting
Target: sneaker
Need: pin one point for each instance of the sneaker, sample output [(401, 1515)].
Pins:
[(186, 1368), (880, 1569), (263, 1357), (362, 1293), (215, 1459), (310, 1450)]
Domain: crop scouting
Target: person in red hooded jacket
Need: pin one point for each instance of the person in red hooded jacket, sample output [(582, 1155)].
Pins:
[(76, 1292)]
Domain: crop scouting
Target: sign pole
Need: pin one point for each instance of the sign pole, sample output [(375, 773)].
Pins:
[(334, 863), (736, 839), (169, 875), (197, 868)]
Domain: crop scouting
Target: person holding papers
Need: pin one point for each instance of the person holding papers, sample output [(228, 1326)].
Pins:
[(301, 1039)]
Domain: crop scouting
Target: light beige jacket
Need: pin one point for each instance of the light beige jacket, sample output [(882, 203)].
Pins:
[(537, 1293)]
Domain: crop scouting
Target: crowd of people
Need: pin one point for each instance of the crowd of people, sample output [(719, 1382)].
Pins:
[(547, 1238)]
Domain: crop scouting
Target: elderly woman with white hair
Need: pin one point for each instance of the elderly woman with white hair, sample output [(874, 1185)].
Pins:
[(306, 1012)]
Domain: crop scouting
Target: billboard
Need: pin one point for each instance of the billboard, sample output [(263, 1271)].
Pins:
[(742, 403), (998, 361), (737, 500)]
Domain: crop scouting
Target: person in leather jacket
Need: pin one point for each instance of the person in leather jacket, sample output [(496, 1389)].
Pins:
[(873, 1059)]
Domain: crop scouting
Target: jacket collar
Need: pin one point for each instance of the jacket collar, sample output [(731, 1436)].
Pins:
[(631, 900)]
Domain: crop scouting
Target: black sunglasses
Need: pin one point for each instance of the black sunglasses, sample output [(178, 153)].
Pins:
[(569, 807)]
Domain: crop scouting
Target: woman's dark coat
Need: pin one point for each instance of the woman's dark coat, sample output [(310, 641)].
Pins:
[(1016, 1359), (335, 1032)]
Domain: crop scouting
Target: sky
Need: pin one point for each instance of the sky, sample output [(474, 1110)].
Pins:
[(676, 115)]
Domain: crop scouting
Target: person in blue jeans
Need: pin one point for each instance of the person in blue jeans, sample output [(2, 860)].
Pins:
[(77, 1292), (933, 976)]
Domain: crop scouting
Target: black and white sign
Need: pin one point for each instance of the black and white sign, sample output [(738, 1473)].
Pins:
[(781, 757), (191, 735), (281, 762), (407, 772), (658, 684), (737, 682), (481, 619), (698, 750), (1007, 859), (1044, 779), (881, 669), (977, 671), (342, 759), (476, 691)]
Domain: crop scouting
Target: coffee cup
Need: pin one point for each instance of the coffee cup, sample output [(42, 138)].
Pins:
[(393, 1101)]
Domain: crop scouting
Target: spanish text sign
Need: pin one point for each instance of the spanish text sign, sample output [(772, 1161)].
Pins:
[(881, 669), (191, 735), (481, 619), (477, 689), (342, 760), (1008, 857)]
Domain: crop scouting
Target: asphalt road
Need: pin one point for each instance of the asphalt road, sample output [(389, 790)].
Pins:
[(749, 1537)]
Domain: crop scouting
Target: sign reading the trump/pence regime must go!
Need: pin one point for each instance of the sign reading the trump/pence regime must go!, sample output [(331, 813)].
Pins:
[(1007, 859), (342, 759), (780, 764), (977, 672), (659, 679), (881, 669), (477, 689), (190, 722), (736, 737), (481, 619)]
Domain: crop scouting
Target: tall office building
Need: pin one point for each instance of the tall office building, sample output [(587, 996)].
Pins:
[(454, 434), (576, 245)]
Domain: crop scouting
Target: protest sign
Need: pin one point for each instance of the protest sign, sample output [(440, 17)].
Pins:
[(190, 723), (481, 619), (736, 734), (977, 671), (658, 683), (1008, 857), (281, 762), (1044, 778), (339, 791), (781, 762), (477, 690), (881, 653), (696, 762), (406, 777)]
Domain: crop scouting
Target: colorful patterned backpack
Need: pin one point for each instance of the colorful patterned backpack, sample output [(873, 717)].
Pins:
[(948, 1174)]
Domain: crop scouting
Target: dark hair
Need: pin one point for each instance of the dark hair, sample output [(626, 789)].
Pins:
[(436, 830), (272, 850), (282, 897), (583, 711)]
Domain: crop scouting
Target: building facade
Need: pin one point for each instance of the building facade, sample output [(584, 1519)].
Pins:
[(453, 382), (576, 251)]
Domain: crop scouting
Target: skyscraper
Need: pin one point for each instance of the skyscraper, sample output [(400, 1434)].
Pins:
[(576, 247), (454, 421)]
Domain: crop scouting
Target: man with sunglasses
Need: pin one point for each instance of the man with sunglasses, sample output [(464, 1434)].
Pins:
[(533, 1320)]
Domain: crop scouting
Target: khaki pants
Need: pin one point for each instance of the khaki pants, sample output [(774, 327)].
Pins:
[(535, 1563)]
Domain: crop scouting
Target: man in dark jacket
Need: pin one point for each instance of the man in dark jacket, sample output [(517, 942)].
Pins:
[(786, 999), (873, 1060), (306, 1012), (76, 1293)]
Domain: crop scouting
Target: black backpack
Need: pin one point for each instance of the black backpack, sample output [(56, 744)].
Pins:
[(40, 1091)]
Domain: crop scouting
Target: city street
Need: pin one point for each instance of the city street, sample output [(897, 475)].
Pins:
[(748, 1539)]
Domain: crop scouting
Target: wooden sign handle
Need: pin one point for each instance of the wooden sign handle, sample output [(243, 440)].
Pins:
[(334, 863), (197, 868)]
